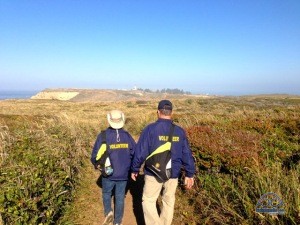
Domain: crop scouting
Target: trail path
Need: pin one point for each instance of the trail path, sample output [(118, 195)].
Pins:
[(88, 208)]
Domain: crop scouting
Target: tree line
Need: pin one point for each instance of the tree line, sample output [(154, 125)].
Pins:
[(166, 90)]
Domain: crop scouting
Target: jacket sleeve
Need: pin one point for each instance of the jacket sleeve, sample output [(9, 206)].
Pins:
[(141, 151), (96, 149), (187, 159)]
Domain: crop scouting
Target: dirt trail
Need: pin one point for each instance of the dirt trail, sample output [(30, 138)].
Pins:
[(88, 209)]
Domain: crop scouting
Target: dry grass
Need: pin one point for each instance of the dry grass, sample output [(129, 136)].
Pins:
[(266, 125)]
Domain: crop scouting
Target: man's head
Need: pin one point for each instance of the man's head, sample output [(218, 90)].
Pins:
[(165, 108)]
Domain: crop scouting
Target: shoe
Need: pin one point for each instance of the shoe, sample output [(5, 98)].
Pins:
[(109, 218)]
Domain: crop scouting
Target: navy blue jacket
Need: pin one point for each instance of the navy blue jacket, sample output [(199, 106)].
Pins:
[(120, 153), (155, 135)]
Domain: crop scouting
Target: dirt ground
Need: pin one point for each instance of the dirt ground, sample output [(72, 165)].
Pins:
[(88, 208)]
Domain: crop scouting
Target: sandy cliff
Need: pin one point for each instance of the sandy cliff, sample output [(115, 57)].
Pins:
[(58, 95), (94, 95)]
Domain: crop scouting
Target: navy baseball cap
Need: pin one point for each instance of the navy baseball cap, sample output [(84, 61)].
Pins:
[(165, 104)]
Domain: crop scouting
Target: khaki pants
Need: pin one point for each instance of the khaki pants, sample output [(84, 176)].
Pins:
[(151, 192)]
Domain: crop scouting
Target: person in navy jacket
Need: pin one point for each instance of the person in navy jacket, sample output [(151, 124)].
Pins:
[(153, 136), (120, 147)]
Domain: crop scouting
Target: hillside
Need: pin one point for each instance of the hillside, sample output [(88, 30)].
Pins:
[(97, 95), (244, 148)]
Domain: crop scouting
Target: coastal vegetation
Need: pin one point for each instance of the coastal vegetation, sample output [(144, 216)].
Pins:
[(244, 147), (175, 91)]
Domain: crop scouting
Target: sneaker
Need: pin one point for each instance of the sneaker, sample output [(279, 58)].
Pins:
[(109, 218)]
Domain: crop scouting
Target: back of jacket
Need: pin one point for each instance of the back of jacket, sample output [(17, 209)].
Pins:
[(155, 135), (120, 151)]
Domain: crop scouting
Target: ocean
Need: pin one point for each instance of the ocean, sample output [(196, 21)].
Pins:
[(12, 94)]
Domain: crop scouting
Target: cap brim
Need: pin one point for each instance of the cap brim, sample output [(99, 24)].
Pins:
[(116, 125)]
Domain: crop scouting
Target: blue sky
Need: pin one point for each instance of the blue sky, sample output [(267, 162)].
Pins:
[(202, 46)]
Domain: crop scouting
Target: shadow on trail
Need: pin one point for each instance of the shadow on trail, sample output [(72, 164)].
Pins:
[(136, 190)]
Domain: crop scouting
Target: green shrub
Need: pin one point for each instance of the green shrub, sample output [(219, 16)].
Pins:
[(39, 170)]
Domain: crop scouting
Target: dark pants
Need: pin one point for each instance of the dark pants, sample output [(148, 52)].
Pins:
[(107, 189)]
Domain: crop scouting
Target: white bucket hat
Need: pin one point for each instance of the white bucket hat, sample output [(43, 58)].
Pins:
[(116, 119)]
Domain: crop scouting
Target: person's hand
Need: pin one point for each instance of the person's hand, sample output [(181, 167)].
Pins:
[(188, 182), (97, 166), (134, 176)]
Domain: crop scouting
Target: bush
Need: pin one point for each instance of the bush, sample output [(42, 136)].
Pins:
[(39, 168), (240, 158)]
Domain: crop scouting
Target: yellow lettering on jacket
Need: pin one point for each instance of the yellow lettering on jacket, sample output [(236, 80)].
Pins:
[(165, 138), (117, 146), (175, 139)]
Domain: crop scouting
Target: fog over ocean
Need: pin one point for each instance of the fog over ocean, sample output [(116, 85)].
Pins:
[(14, 94)]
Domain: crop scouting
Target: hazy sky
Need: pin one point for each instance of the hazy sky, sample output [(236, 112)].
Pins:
[(202, 46)]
